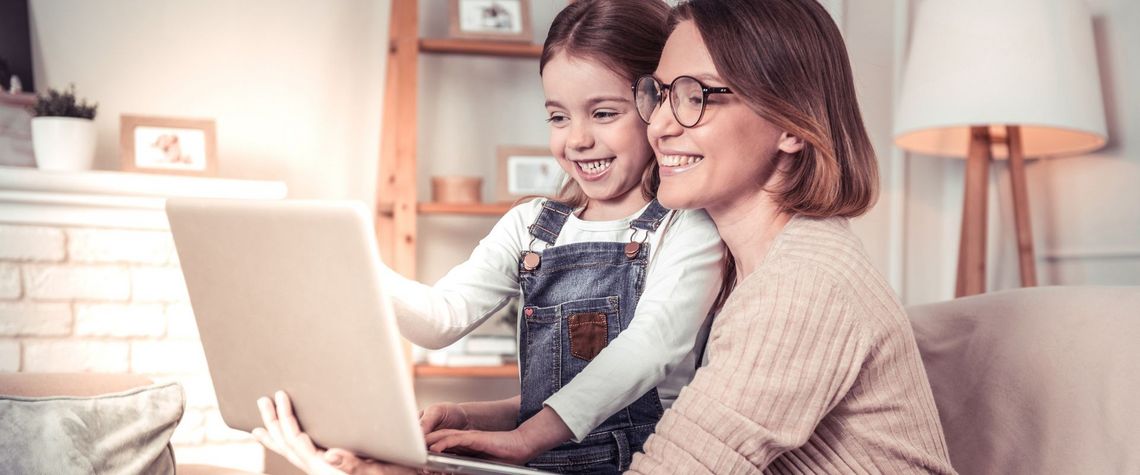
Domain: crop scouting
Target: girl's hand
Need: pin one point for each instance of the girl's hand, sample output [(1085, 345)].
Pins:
[(505, 446), (446, 415), (283, 435)]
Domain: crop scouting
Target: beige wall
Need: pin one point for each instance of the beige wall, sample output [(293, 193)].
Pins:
[(1085, 211), (295, 86)]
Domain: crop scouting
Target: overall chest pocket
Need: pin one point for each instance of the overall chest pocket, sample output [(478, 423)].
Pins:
[(584, 326)]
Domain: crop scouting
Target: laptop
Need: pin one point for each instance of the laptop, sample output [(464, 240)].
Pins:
[(287, 296)]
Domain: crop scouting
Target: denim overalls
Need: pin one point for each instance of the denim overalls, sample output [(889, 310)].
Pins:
[(576, 299)]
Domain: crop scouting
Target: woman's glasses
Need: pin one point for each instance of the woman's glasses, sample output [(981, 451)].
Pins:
[(687, 96)]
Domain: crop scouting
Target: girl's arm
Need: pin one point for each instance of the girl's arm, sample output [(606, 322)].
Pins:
[(437, 316), (678, 293), (680, 286)]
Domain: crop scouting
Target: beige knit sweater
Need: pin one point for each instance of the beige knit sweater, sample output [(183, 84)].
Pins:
[(811, 367)]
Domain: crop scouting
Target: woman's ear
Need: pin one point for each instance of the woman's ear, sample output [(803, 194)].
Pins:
[(789, 143)]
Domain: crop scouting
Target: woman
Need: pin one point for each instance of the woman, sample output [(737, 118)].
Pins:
[(811, 365)]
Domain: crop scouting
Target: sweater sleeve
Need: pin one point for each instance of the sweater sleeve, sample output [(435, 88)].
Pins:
[(437, 316), (783, 353), (680, 287)]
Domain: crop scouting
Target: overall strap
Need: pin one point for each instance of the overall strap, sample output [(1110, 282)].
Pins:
[(652, 218), (550, 221)]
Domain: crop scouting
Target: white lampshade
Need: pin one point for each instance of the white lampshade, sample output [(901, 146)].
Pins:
[(1030, 63)]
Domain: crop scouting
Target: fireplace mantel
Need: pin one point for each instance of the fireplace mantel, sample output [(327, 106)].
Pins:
[(111, 199)]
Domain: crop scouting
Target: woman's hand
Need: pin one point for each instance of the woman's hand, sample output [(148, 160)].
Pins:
[(505, 446), (283, 435), (446, 415)]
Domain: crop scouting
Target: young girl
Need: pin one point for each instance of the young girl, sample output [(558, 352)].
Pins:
[(614, 287)]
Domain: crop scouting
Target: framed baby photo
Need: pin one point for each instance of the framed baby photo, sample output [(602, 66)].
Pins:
[(527, 171), (168, 145), (504, 20)]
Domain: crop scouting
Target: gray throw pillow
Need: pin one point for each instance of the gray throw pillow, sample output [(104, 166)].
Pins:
[(127, 432)]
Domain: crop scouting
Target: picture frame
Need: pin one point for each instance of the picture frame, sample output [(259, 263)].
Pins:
[(527, 171), (168, 145), (500, 20)]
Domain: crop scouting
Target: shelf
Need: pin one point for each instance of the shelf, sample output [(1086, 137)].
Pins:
[(474, 209), (455, 209), (430, 371), (481, 48)]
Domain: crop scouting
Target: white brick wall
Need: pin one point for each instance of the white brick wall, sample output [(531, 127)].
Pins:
[(35, 319), (9, 356), (120, 320), (75, 356), (109, 300), (158, 284), (62, 282), (167, 357), (9, 281), (116, 246), (245, 456), (31, 243), (180, 321)]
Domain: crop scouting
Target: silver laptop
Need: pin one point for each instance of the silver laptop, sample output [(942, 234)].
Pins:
[(287, 296)]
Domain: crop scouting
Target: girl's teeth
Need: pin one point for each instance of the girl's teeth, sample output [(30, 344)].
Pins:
[(596, 166)]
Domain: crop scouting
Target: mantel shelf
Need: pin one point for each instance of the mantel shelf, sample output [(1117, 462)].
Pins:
[(111, 199), (481, 48)]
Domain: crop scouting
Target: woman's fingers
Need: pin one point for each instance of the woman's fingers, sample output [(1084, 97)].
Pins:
[(289, 426)]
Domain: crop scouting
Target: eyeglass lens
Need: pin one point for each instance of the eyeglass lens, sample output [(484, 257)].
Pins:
[(686, 98)]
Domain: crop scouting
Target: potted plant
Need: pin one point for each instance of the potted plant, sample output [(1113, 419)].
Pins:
[(63, 131)]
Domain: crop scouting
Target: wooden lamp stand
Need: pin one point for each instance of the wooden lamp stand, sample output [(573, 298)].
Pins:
[(972, 247)]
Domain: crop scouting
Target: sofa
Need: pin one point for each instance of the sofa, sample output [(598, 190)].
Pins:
[(91, 423), (1036, 381), (1028, 381)]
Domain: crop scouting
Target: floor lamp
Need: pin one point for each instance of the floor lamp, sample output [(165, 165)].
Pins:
[(991, 80)]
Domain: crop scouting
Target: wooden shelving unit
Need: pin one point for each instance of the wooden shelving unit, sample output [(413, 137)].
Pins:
[(430, 371), (454, 209), (481, 48), (398, 211)]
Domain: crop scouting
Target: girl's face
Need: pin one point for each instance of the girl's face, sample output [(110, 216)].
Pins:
[(595, 132), (726, 157)]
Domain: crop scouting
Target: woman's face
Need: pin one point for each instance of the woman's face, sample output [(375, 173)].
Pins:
[(595, 132), (728, 156)]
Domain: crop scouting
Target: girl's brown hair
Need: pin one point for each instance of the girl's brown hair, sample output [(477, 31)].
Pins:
[(626, 36), (787, 60)]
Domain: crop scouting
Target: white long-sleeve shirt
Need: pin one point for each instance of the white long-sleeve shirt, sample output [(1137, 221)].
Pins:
[(657, 349)]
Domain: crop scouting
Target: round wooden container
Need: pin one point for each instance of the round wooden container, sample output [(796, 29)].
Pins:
[(456, 189)]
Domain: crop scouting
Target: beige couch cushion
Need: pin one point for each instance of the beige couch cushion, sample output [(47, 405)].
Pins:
[(1037, 381), (54, 424)]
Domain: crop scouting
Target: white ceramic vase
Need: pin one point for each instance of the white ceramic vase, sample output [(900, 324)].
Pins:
[(63, 143)]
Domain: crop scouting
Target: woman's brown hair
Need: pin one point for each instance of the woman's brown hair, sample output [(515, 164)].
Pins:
[(787, 60), (626, 36)]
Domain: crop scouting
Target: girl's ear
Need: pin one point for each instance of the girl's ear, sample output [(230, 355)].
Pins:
[(789, 143)]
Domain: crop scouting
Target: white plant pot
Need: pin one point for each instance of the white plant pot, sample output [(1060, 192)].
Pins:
[(63, 143)]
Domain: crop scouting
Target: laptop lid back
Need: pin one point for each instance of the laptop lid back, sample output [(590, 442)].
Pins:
[(287, 296)]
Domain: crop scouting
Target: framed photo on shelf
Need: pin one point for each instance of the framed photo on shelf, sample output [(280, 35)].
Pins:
[(168, 145), (527, 171), (503, 20)]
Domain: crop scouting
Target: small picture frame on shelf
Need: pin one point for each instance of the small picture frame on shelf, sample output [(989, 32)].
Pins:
[(168, 145), (527, 171), (502, 20)]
